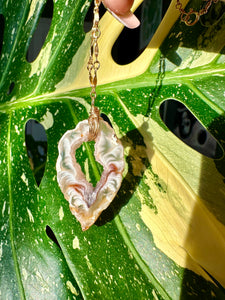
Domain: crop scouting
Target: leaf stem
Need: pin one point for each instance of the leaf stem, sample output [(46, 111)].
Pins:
[(214, 106)]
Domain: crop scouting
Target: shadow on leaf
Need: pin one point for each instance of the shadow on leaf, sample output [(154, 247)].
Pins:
[(137, 162)]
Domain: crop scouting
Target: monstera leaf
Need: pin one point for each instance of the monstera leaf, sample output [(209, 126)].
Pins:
[(163, 237)]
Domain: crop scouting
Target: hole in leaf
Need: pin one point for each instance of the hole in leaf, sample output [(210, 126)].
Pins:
[(41, 32), (11, 87), (132, 42), (127, 46), (202, 137), (52, 236), (106, 119), (214, 14), (36, 144), (89, 16), (187, 128), (2, 28)]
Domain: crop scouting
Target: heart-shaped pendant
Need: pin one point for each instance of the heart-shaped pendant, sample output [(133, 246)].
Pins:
[(85, 201)]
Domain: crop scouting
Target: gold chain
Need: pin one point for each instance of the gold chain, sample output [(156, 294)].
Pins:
[(93, 66), (192, 17)]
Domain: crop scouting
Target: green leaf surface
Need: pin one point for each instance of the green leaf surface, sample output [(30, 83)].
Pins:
[(163, 237)]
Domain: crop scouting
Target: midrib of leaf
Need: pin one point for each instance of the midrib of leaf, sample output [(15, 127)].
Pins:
[(204, 98), (54, 56), (27, 101), (14, 46), (9, 162), (194, 72), (149, 79), (145, 80)]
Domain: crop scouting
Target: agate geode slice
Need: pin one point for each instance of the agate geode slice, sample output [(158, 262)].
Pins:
[(86, 202)]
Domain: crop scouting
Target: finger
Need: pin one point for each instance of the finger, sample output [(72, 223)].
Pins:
[(120, 9)]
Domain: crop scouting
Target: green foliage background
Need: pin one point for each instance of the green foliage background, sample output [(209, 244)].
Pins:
[(118, 257)]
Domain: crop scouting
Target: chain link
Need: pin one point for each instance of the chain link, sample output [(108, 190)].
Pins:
[(192, 17), (93, 66)]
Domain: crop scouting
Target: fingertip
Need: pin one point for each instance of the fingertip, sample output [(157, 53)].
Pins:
[(119, 7), (129, 19)]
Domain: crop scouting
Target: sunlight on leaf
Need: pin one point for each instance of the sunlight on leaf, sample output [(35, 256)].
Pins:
[(163, 235)]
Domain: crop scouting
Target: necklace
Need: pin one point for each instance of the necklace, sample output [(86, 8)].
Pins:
[(192, 17), (86, 202)]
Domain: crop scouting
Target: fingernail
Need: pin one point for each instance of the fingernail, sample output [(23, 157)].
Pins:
[(129, 19)]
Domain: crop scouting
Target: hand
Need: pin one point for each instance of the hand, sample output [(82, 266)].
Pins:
[(120, 9)]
